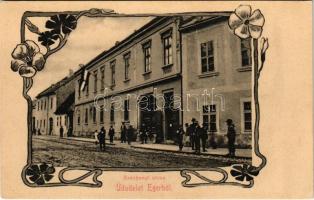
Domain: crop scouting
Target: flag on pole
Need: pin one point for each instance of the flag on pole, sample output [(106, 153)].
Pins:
[(84, 79)]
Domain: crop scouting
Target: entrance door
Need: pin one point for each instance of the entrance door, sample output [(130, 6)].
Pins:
[(150, 119), (50, 126), (171, 117)]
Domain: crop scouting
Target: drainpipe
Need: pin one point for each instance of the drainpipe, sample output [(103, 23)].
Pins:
[(180, 39)]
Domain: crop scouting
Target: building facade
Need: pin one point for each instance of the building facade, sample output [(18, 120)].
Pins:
[(164, 74), (217, 73), (52, 108), (127, 80)]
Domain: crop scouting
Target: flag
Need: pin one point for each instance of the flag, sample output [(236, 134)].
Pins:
[(84, 82)]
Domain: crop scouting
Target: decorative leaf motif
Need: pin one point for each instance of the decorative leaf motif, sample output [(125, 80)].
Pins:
[(31, 27)]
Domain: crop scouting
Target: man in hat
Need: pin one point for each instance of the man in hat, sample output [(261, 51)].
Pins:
[(231, 134), (192, 131), (197, 138)]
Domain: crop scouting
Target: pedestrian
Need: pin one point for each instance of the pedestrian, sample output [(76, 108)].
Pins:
[(192, 133), (143, 135), (187, 135), (197, 138), (96, 137), (204, 137), (130, 132), (102, 139), (61, 131), (180, 134), (123, 133), (231, 134), (111, 134)]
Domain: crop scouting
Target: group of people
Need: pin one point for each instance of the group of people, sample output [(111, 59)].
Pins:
[(198, 136), (126, 135)]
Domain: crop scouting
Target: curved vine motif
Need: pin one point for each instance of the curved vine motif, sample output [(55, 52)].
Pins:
[(246, 25), (27, 61)]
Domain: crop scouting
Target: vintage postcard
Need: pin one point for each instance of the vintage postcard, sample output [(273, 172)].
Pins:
[(156, 99)]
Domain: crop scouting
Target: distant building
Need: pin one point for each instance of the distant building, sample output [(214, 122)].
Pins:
[(54, 107)]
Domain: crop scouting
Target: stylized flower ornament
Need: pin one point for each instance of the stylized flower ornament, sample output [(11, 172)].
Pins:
[(40, 174), (47, 38), (246, 24), (27, 59), (244, 172), (62, 23)]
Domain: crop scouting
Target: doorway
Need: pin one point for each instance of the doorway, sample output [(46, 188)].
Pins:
[(50, 126)]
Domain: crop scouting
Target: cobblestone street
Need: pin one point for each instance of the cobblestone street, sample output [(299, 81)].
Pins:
[(63, 152)]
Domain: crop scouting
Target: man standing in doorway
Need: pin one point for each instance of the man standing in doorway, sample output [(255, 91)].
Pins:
[(123, 133), (111, 134)]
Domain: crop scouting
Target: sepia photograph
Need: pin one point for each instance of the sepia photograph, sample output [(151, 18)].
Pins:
[(143, 92)]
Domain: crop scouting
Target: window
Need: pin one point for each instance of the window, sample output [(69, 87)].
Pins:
[(37, 105), (113, 72), (112, 113), (167, 45), (126, 66), (86, 116), (126, 110), (44, 123), (41, 105), (247, 113), (207, 57), (79, 89), (45, 105), (94, 115), (147, 56), (51, 102), (246, 52), (102, 78), (101, 114), (78, 117), (57, 121), (87, 86), (60, 120), (210, 117), (95, 82)]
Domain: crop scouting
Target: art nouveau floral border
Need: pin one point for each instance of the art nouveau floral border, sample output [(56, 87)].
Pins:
[(28, 61)]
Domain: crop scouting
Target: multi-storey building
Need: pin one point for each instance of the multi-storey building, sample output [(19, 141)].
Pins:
[(142, 67), (53, 108), (156, 77), (216, 76)]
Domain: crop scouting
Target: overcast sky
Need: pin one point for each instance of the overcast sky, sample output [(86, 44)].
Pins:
[(91, 37)]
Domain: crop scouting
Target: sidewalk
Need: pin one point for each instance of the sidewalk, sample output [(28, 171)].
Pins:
[(240, 153)]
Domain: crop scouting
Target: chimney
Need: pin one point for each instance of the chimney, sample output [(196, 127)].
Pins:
[(81, 66), (70, 72)]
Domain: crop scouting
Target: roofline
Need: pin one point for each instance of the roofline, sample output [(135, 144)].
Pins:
[(203, 23), (67, 79)]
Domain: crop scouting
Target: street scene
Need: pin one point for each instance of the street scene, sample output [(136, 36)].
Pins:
[(173, 93), (84, 153)]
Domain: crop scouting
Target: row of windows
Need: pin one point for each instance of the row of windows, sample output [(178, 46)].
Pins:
[(210, 118), (42, 123), (42, 104), (93, 114), (167, 60), (208, 57)]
